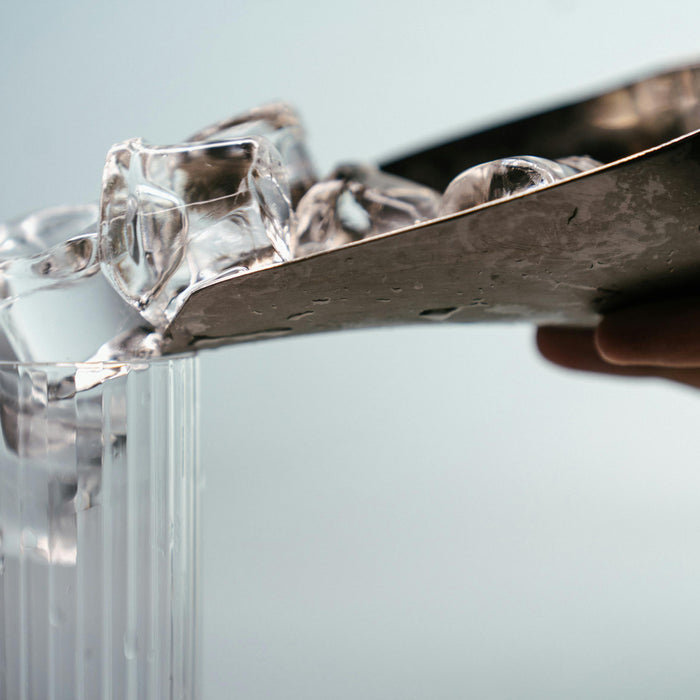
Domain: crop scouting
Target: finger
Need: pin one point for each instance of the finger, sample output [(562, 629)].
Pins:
[(660, 334), (577, 349)]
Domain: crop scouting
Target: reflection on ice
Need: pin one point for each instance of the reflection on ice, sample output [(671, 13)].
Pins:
[(281, 126)]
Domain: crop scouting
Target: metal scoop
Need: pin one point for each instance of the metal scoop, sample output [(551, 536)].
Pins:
[(562, 254)]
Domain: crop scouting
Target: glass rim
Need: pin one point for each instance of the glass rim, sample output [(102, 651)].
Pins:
[(90, 365)]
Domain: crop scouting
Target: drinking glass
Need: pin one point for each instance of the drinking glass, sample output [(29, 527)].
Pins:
[(99, 492)]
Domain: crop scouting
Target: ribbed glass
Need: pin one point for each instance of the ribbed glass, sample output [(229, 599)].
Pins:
[(98, 526)]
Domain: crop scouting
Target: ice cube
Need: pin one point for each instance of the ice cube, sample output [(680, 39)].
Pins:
[(580, 163), (42, 229), (110, 360), (174, 217), (357, 201), (507, 177), (60, 265), (54, 304), (280, 124)]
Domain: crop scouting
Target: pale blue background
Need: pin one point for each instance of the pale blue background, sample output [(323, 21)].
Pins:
[(415, 514)]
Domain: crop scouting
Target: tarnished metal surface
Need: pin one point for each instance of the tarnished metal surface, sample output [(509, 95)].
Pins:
[(562, 254)]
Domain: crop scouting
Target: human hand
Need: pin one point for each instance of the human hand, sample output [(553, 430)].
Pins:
[(660, 339)]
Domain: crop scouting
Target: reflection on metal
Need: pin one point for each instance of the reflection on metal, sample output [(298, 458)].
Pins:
[(562, 254)]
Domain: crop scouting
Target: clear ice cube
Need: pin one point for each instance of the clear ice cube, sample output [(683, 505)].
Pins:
[(280, 124), (507, 177), (108, 362), (42, 229), (358, 201), (54, 304), (580, 163), (59, 265), (174, 217)]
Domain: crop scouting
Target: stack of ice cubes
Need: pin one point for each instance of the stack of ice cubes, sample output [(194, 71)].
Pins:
[(87, 283)]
